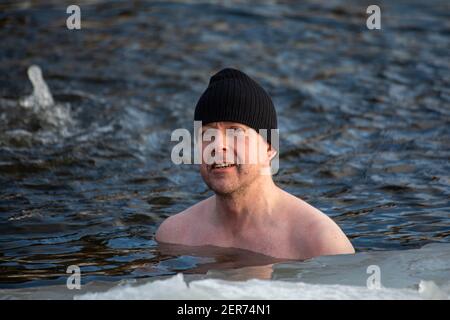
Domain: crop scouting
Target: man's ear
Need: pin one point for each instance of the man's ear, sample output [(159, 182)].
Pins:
[(271, 152)]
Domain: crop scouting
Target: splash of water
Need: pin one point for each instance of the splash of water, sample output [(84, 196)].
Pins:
[(49, 114), (41, 97)]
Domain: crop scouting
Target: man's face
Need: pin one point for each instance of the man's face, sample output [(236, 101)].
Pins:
[(233, 156)]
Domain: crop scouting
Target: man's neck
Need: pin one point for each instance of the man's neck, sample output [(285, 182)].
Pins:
[(250, 207)]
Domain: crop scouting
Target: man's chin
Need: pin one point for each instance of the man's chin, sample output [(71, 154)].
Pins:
[(222, 190)]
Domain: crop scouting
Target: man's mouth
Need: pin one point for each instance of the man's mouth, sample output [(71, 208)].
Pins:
[(217, 166)]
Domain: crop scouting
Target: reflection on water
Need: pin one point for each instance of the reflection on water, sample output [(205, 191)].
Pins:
[(86, 177), (209, 259)]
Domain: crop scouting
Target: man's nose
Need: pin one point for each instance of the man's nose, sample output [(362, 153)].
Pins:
[(222, 148), (221, 143)]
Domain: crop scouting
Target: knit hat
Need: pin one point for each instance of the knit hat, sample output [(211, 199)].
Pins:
[(234, 96)]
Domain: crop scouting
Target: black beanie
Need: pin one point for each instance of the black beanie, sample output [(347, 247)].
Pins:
[(234, 96)]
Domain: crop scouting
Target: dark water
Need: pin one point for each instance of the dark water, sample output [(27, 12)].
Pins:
[(364, 122)]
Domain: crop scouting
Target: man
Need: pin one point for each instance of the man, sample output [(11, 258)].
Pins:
[(248, 211)]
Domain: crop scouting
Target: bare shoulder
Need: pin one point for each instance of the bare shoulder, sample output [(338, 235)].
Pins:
[(328, 238), (317, 231), (176, 228)]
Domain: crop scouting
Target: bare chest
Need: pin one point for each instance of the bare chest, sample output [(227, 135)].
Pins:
[(276, 242)]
